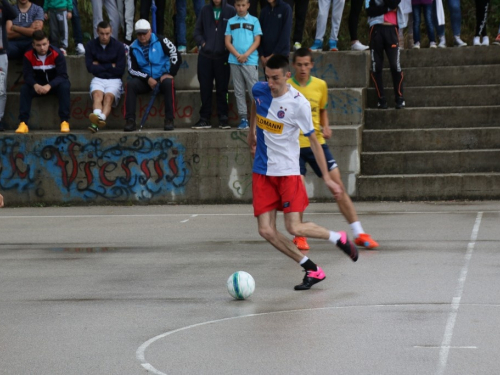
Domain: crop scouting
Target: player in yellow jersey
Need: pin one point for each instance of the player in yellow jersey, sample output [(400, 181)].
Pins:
[(316, 91)]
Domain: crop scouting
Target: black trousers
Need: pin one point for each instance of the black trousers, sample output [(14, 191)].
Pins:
[(160, 13), (208, 70), (137, 86), (353, 22), (481, 17), (300, 18), (384, 38), (62, 91)]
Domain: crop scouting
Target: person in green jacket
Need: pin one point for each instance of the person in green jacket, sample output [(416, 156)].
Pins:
[(58, 12)]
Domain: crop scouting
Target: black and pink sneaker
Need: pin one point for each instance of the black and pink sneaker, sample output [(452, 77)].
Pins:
[(311, 278), (347, 246)]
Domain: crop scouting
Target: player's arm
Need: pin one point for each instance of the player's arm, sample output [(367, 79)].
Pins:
[(319, 155), (325, 126), (1, 200), (252, 137)]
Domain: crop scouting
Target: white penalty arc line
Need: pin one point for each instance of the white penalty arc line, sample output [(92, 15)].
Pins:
[(452, 317), (140, 353)]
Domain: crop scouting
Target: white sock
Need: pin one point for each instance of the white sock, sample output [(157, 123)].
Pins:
[(356, 228), (305, 259), (334, 237), (102, 116), (97, 112)]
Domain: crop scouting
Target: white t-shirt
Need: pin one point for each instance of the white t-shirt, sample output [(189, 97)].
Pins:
[(279, 121)]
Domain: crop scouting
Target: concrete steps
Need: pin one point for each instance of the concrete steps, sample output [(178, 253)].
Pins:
[(441, 96), (446, 143), (432, 117), (431, 139), (445, 75)]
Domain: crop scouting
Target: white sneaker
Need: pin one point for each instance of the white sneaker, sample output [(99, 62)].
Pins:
[(459, 42), (80, 49), (358, 46), (433, 45), (63, 51), (476, 41), (416, 45), (486, 41)]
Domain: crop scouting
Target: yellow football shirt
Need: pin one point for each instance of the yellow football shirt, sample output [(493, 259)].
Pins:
[(316, 92)]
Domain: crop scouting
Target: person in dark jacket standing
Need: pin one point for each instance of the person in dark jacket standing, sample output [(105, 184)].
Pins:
[(44, 69), (212, 61), (8, 13), (276, 22), (152, 60), (105, 59)]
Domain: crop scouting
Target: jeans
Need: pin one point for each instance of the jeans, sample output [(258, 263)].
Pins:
[(75, 22), (455, 15), (18, 47), (61, 91), (417, 9), (145, 7), (180, 19)]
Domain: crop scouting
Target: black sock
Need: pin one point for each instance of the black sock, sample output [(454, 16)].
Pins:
[(309, 265)]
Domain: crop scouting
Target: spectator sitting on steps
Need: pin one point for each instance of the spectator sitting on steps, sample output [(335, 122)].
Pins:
[(105, 59), (152, 60), (20, 30), (44, 69)]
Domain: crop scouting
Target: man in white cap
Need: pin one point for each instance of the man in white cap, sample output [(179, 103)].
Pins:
[(152, 60)]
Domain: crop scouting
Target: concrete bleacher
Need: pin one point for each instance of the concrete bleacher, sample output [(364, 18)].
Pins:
[(154, 166)]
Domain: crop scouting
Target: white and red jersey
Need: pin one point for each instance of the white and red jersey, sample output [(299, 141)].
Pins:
[(279, 122)]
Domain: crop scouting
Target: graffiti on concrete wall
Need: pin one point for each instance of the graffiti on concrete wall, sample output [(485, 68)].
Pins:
[(134, 167)]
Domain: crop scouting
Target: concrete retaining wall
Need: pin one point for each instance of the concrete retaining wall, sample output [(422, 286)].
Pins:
[(147, 167)]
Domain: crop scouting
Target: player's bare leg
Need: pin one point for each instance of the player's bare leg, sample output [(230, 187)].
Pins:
[(109, 98), (96, 117)]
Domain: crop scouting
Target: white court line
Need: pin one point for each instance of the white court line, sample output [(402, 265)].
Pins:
[(452, 317), (214, 214), (140, 353), (185, 221)]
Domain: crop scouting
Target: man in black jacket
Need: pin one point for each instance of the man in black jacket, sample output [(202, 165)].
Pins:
[(276, 22), (105, 59), (44, 69), (212, 61)]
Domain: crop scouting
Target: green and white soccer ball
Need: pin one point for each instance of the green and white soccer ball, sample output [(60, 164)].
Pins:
[(240, 285)]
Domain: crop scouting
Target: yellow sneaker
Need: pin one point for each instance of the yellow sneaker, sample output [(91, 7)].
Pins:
[(64, 127), (22, 128)]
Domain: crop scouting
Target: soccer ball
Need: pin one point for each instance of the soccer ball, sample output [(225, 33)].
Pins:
[(240, 285)]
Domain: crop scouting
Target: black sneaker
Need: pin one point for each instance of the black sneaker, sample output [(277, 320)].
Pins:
[(347, 246), (93, 128), (1, 126), (382, 103), (223, 123), (130, 125), (311, 278), (400, 103), (202, 124), (168, 124)]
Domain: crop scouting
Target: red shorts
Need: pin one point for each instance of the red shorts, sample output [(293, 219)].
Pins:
[(283, 193)]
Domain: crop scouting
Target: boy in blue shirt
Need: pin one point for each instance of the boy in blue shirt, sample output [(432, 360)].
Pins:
[(243, 34)]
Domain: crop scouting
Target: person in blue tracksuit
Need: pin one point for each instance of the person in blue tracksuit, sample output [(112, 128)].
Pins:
[(152, 60)]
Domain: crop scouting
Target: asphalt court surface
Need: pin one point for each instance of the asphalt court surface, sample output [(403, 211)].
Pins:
[(134, 290)]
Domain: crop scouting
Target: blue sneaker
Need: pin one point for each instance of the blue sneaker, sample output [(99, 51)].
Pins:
[(181, 49), (243, 124), (333, 45), (317, 46)]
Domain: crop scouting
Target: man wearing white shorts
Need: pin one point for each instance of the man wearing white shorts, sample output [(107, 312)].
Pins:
[(105, 59)]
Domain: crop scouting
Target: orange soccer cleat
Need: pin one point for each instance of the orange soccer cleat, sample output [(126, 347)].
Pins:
[(365, 240), (301, 243)]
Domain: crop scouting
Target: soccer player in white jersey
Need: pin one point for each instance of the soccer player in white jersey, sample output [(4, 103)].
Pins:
[(278, 114)]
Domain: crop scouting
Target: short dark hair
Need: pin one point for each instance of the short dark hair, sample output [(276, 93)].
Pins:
[(39, 35), (103, 25), (241, 1), (278, 62), (302, 52)]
